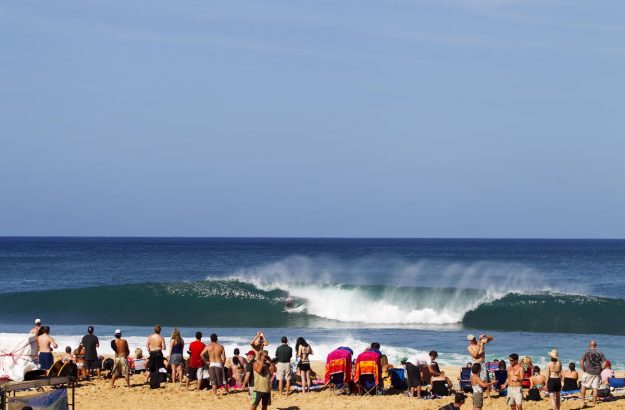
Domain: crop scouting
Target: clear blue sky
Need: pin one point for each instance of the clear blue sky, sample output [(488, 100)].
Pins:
[(468, 118)]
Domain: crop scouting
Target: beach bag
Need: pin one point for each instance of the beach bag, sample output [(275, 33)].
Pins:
[(603, 392), (155, 380), (533, 394)]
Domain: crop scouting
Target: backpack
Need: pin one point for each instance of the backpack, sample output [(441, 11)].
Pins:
[(155, 380), (533, 394)]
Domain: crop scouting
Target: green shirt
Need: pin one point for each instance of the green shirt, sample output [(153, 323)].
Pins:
[(284, 353)]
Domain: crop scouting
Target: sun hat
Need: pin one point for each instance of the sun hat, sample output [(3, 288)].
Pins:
[(470, 337), (554, 354)]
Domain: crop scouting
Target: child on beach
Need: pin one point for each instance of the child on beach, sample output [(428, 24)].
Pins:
[(478, 386)]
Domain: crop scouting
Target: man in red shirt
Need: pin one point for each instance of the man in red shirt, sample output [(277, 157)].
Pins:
[(195, 360)]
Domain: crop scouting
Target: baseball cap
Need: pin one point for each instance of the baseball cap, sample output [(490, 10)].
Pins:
[(251, 353), (403, 360), (90, 329), (607, 363), (37, 321), (470, 337), (118, 331)]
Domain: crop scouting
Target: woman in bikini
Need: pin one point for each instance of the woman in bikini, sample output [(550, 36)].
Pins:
[(303, 352), (554, 379)]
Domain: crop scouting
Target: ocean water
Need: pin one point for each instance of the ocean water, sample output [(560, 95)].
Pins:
[(411, 295)]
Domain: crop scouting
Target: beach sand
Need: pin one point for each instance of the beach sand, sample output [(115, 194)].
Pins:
[(99, 395)]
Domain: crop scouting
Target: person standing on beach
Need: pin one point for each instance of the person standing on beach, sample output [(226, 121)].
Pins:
[(514, 383), (120, 365), (284, 353), (176, 348), (591, 363), (195, 357), (45, 343), (35, 329), (263, 368), (478, 386), (91, 343), (216, 360), (554, 378), (155, 345), (248, 381), (478, 355)]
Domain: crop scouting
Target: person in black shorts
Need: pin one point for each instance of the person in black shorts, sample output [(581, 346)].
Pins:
[(414, 377), (91, 343)]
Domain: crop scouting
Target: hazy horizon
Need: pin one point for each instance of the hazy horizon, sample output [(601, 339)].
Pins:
[(386, 118)]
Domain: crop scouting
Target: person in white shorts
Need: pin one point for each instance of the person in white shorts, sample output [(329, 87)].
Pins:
[(284, 353), (514, 383), (591, 365)]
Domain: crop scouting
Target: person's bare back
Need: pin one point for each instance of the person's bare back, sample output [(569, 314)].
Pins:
[(155, 342), (215, 353), (46, 343), (122, 349)]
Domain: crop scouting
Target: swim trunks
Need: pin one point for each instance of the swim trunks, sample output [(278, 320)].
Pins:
[(216, 374), (478, 400), (155, 361), (120, 365), (45, 360), (591, 381), (554, 385), (283, 371), (258, 397), (515, 395)]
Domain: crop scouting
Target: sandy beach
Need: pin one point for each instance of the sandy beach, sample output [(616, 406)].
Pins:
[(98, 394)]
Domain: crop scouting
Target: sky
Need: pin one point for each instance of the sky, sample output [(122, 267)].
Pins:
[(387, 118)]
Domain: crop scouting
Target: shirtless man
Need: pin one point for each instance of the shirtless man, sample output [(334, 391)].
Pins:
[(216, 360), (45, 343), (514, 383), (155, 345), (478, 355), (35, 329), (120, 365)]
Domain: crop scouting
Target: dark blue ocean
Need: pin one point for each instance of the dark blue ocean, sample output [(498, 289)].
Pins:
[(411, 295)]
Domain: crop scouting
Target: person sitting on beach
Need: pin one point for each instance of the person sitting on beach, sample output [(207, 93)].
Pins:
[(478, 386), (176, 347), (538, 380), (459, 399), (120, 364), (591, 363), (514, 383), (35, 329), (79, 354), (263, 370), (216, 355), (68, 356), (554, 379), (195, 357), (155, 346), (259, 342), (45, 344), (435, 371), (570, 378), (607, 372), (413, 375)]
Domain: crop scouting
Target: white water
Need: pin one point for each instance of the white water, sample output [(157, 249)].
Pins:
[(319, 284), (320, 348)]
